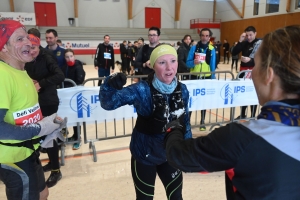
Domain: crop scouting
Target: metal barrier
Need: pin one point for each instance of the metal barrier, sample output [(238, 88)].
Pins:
[(63, 144), (99, 131), (123, 128)]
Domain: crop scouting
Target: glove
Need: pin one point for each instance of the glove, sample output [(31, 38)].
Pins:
[(117, 81), (48, 125), (48, 142), (176, 124)]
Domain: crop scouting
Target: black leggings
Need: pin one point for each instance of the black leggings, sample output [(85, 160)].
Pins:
[(144, 180), (53, 151)]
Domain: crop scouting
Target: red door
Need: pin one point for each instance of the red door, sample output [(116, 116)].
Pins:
[(152, 17), (45, 14)]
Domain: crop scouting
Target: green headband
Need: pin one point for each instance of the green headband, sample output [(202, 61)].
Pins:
[(160, 51)]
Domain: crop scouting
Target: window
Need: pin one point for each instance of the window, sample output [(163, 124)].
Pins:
[(297, 4), (256, 7), (272, 6)]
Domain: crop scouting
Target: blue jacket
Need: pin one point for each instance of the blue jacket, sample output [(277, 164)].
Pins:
[(191, 55), (145, 148)]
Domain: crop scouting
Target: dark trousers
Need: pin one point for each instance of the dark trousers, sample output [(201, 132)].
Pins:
[(203, 112), (243, 108), (102, 72), (144, 180), (236, 64), (253, 110), (53, 151), (226, 55)]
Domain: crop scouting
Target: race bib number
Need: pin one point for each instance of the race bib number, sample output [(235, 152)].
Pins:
[(200, 57), (107, 55), (28, 116)]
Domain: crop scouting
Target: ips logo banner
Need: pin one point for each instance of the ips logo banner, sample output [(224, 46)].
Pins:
[(229, 92), (84, 104)]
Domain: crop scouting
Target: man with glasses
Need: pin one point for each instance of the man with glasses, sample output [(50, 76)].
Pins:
[(202, 58), (142, 62)]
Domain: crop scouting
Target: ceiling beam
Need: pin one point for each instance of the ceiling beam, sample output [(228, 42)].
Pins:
[(288, 5), (12, 6), (215, 10), (177, 10), (235, 8)]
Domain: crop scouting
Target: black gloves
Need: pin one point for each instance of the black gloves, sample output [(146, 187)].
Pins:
[(117, 81), (176, 124)]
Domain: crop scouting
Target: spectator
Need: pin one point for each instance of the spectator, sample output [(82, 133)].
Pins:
[(124, 56), (246, 45), (59, 52), (158, 100), (226, 51), (59, 43), (46, 75), (104, 59), (218, 51), (183, 52), (142, 61), (261, 157), (20, 140), (235, 58), (73, 70), (204, 63)]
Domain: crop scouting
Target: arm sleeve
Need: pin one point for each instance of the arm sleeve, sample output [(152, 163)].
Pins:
[(219, 150), (238, 48), (190, 58), (137, 95), (213, 63), (185, 94), (96, 56), (55, 77), (111, 98), (12, 132), (181, 58), (80, 74), (138, 60), (112, 58)]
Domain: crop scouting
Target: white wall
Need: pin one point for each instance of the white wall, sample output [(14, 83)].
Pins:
[(193, 9), (226, 12), (95, 13), (64, 9)]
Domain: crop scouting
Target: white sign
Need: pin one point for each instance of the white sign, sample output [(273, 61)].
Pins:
[(92, 44), (24, 18), (82, 104)]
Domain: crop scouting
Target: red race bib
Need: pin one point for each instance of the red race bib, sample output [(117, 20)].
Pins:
[(28, 116)]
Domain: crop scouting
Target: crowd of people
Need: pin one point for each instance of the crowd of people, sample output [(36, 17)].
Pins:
[(259, 156)]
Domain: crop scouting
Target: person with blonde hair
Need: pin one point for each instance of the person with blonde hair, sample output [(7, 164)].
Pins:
[(158, 100), (261, 157)]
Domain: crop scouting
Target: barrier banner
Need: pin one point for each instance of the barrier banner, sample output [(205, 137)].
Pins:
[(24, 18), (82, 104)]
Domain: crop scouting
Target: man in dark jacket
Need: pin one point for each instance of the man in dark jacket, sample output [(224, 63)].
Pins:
[(248, 44), (124, 56), (142, 61), (183, 52), (104, 59), (226, 51)]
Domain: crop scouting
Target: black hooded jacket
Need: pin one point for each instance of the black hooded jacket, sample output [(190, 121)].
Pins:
[(45, 70), (75, 73), (183, 52)]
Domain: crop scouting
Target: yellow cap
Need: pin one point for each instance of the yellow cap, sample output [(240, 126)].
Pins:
[(161, 50)]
